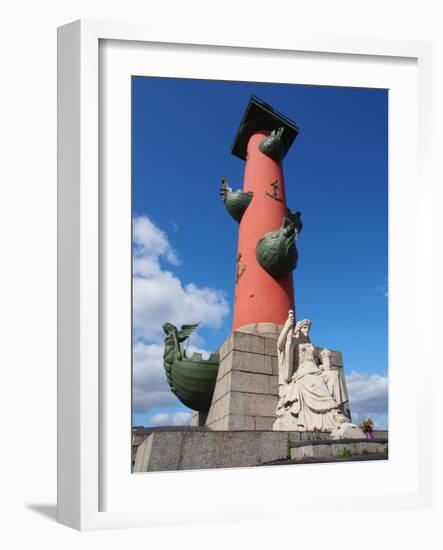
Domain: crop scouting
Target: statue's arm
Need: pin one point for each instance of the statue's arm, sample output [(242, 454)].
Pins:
[(323, 359), (281, 342)]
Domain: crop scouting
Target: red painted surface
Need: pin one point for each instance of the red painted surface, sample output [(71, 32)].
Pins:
[(258, 296)]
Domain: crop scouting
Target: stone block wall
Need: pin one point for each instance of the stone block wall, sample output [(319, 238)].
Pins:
[(187, 448), (190, 450), (246, 391)]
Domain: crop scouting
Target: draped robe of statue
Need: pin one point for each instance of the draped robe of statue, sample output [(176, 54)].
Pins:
[(310, 396)]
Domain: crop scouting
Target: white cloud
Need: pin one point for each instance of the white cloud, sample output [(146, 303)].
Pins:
[(150, 242), (162, 298), (368, 393), (171, 419), (159, 295), (150, 388), (383, 289)]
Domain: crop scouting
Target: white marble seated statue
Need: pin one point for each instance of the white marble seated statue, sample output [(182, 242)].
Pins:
[(311, 394)]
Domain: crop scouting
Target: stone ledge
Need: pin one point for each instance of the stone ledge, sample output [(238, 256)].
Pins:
[(188, 450), (318, 437), (328, 460), (340, 448), (184, 449), (324, 441)]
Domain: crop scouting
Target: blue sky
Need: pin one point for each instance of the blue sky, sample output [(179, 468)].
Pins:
[(185, 241)]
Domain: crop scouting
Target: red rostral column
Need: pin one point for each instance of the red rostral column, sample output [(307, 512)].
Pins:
[(260, 297)]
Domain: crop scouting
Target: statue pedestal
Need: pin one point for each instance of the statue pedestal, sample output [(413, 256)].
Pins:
[(246, 392)]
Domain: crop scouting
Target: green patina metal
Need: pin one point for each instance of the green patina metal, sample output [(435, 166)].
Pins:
[(191, 379), (295, 218), (236, 202), (273, 145), (260, 116), (276, 251)]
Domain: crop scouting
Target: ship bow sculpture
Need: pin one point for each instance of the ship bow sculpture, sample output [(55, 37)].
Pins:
[(191, 379), (236, 202), (276, 251)]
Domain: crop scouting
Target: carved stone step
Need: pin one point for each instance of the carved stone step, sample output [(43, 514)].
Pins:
[(338, 449)]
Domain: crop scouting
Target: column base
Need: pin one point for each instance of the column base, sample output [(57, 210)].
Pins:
[(246, 391)]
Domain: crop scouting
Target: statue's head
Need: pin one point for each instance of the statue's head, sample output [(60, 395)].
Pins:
[(302, 328), (167, 328)]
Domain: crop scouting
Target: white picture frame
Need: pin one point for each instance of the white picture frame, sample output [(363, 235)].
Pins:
[(98, 492)]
